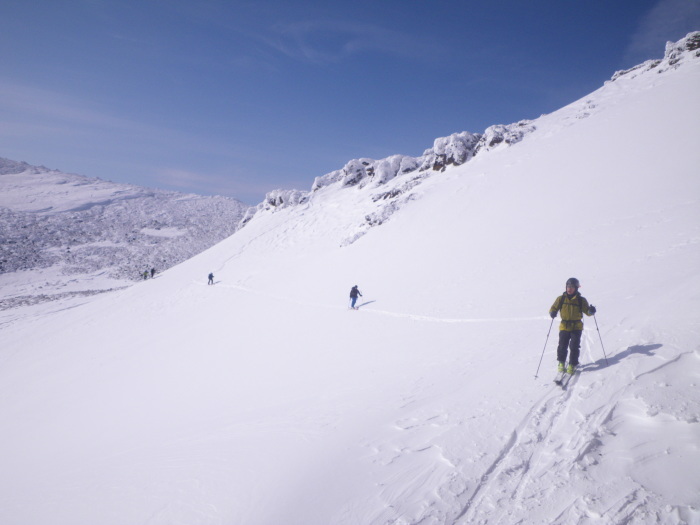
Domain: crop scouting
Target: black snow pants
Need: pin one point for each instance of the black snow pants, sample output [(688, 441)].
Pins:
[(572, 340)]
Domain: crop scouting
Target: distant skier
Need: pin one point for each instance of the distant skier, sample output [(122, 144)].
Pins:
[(354, 292), (145, 275), (572, 307), (211, 278), (153, 272)]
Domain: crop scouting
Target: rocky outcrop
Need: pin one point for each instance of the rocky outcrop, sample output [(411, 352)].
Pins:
[(459, 148), (276, 200), (676, 52), (689, 47), (453, 150)]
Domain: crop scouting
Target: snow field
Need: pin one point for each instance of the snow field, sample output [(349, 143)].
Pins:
[(264, 400)]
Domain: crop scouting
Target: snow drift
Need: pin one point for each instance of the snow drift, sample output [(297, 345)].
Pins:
[(264, 400)]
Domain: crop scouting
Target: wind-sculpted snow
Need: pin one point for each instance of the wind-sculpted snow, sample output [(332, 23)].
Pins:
[(87, 225)]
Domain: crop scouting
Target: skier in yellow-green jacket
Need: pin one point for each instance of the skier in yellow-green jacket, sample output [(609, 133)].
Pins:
[(572, 307)]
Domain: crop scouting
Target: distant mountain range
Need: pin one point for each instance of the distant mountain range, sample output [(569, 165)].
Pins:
[(82, 224)]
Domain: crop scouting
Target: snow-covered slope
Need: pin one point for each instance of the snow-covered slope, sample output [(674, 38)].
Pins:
[(264, 400), (68, 234)]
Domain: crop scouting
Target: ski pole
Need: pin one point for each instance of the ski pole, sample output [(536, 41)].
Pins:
[(601, 340), (545, 346)]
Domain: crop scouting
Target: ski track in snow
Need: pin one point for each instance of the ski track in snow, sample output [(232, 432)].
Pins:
[(524, 460), (527, 472), (414, 317), (542, 464)]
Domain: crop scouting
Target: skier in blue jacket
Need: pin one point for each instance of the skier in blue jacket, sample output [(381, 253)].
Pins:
[(353, 296)]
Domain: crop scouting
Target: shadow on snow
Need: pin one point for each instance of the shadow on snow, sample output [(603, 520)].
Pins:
[(647, 350)]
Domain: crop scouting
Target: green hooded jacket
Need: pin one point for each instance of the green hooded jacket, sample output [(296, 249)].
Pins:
[(571, 310)]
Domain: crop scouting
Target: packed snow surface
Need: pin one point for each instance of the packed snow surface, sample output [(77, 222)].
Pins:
[(264, 400)]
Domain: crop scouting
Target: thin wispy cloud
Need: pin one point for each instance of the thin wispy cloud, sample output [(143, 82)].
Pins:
[(329, 42), (668, 20), (258, 45), (45, 105), (79, 128), (28, 109)]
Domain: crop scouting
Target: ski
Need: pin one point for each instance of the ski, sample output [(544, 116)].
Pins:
[(562, 379), (565, 381), (559, 378)]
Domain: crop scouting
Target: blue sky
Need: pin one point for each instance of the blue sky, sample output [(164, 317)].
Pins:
[(238, 98)]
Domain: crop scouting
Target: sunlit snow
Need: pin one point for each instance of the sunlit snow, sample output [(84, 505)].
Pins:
[(264, 400)]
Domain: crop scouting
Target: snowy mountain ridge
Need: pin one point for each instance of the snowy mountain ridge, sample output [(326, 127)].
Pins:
[(391, 182), (453, 150)]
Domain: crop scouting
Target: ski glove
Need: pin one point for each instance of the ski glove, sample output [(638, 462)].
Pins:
[(592, 310), (553, 314)]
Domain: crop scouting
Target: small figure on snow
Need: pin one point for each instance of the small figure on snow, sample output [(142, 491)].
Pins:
[(353, 297), (145, 275), (572, 306), (153, 272), (211, 278)]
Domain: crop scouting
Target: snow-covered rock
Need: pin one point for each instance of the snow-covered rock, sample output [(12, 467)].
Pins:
[(675, 53), (276, 200), (453, 150), (456, 149)]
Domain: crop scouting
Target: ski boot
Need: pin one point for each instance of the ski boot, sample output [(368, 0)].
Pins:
[(560, 367), (571, 369)]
